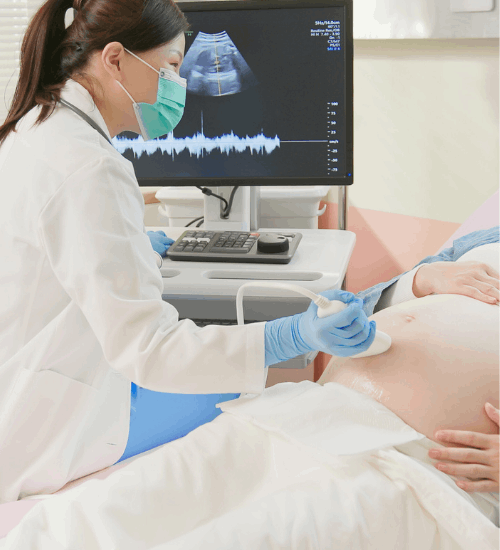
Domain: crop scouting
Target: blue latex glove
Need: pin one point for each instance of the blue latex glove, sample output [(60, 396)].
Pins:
[(342, 334), (160, 242)]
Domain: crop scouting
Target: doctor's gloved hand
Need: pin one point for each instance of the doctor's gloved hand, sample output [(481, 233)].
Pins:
[(160, 242), (342, 334)]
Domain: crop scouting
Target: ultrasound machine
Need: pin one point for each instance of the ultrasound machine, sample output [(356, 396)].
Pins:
[(269, 102)]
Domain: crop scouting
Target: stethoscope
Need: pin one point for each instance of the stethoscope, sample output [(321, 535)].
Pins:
[(86, 118), (96, 126)]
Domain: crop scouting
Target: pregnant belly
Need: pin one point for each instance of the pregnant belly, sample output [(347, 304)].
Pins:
[(441, 369)]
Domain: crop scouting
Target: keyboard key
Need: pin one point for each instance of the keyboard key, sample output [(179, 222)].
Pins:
[(199, 249), (234, 250)]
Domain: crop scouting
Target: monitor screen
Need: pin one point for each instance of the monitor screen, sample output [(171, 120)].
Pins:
[(269, 98)]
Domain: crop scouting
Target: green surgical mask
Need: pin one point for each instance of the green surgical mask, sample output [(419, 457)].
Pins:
[(163, 116)]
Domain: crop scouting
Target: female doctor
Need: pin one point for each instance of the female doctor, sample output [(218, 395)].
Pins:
[(80, 291)]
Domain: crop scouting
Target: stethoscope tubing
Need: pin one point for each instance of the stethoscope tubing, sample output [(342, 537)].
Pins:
[(86, 118)]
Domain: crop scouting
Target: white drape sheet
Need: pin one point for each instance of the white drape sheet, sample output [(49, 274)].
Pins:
[(292, 469)]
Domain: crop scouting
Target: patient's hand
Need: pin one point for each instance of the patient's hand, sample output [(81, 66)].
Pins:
[(479, 462), (474, 279)]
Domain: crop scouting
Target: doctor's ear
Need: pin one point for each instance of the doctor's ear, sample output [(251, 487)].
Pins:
[(112, 58)]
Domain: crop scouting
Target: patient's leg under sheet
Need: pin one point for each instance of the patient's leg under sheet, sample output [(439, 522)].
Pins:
[(254, 478), (418, 450)]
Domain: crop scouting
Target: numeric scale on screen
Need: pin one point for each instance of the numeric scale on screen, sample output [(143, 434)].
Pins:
[(333, 142)]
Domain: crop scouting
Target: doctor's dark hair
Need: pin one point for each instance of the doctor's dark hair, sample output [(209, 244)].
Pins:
[(51, 53)]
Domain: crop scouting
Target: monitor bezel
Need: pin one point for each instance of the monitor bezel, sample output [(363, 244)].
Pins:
[(228, 5)]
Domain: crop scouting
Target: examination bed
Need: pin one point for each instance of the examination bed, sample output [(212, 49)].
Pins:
[(263, 476), (330, 495)]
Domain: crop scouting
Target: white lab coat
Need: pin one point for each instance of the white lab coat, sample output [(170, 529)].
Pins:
[(81, 307)]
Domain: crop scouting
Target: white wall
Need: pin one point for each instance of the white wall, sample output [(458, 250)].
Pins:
[(425, 18), (14, 18), (426, 126)]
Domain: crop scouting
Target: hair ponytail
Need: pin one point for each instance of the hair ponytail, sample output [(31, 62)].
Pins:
[(51, 53)]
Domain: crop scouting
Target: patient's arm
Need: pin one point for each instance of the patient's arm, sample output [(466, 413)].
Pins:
[(473, 273), (474, 279), (442, 367)]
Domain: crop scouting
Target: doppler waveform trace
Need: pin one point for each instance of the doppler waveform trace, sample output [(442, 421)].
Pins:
[(198, 145)]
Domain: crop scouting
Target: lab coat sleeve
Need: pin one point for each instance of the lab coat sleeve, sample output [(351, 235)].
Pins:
[(94, 237)]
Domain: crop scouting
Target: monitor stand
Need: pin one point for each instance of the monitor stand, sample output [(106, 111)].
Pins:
[(246, 208), (244, 214)]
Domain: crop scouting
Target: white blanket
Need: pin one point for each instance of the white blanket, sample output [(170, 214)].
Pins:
[(301, 467)]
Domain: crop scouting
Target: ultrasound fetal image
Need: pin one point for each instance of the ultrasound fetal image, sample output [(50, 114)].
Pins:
[(213, 66)]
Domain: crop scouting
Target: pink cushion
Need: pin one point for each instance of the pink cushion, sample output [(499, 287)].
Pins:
[(12, 513), (485, 217)]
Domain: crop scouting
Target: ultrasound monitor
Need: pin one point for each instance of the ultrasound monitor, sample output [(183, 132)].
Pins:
[(269, 98)]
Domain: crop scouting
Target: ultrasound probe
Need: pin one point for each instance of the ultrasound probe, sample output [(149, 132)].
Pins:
[(326, 307)]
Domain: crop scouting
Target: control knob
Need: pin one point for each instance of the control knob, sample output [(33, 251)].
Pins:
[(272, 244)]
